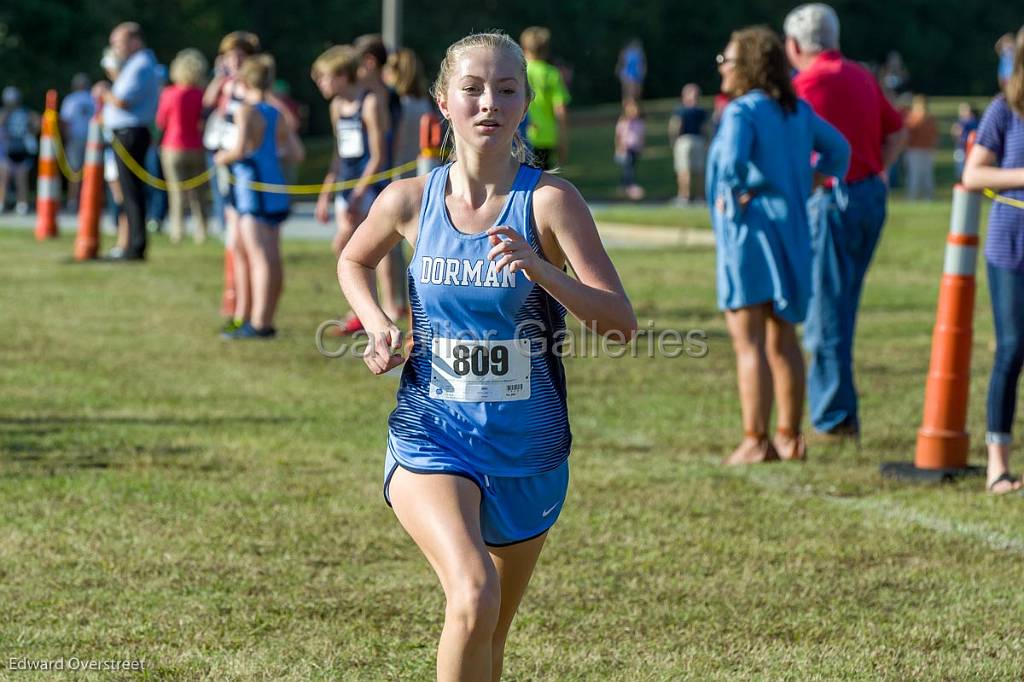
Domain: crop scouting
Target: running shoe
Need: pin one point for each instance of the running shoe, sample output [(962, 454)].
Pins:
[(247, 331), (231, 325), (351, 326)]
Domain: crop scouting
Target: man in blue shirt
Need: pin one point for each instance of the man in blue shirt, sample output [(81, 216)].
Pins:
[(129, 109)]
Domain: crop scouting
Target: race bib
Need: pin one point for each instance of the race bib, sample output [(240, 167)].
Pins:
[(480, 371), (350, 139)]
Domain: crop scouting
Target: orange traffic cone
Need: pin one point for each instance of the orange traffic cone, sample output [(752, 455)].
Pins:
[(227, 300), (430, 144), (942, 442), (48, 188), (90, 206)]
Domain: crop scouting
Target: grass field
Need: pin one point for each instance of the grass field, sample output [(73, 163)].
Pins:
[(215, 508)]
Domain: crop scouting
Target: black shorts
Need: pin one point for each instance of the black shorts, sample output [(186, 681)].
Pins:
[(18, 156)]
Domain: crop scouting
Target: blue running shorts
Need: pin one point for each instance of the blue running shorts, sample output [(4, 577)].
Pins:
[(512, 509)]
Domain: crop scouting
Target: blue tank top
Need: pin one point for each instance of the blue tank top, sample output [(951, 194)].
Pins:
[(483, 382), (262, 165)]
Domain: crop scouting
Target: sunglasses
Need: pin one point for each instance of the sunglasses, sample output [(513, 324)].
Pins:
[(722, 59)]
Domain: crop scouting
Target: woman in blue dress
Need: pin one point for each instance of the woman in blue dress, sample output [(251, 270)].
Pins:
[(760, 173)]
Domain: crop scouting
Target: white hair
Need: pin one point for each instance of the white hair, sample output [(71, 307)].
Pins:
[(814, 26)]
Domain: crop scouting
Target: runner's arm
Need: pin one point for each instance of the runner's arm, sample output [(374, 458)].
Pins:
[(289, 145), (566, 231), (392, 217), (374, 116)]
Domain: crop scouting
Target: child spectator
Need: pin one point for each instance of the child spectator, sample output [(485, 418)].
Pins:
[(629, 144), (966, 123)]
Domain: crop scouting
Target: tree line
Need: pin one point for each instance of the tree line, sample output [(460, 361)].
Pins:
[(947, 45)]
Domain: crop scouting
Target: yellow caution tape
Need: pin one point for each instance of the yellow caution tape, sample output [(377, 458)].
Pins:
[(999, 198), (333, 187), (192, 183), (58, 145), (153, 181)]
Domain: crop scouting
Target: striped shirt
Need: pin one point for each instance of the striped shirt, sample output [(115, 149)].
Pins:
[(1002, 132)]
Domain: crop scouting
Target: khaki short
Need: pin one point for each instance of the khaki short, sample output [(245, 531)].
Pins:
[(688, 153)]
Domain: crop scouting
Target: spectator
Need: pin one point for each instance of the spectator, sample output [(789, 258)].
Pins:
[(408, 81), (997, 161), (111, 66), (548, 128), (1005, 51), (966, 123), (758, 182), (686, 128), (76, 111), (373, 57), (19, 128), (893, 75), (846, 219), (221, 100), (129, 110), (156, 198), (922, 139), (180, 117), (717, 108), (631, 70), (629, 144), (895, 171)]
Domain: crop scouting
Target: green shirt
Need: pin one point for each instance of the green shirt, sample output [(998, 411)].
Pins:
[(549, 92)]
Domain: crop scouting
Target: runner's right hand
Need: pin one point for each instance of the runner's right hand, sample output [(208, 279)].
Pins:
[(383, 351), (323, 209)]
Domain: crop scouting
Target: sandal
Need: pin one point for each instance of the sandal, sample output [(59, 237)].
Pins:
[(756, 452), (1004, 477), (795, 448)]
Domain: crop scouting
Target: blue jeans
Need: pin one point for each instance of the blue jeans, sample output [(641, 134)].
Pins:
[(156, 200), (1007, 290), (843, 240)]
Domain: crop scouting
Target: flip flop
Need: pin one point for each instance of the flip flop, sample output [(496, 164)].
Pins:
[(1003, 477)]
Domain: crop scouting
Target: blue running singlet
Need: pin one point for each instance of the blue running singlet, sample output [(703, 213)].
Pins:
[(483, 384), (262, 165)]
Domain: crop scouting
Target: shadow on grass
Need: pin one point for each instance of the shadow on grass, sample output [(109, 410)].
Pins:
[(157, 421), (51, 458), (59, 442)]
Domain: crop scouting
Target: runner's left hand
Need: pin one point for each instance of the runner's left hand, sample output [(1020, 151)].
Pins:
[(510, 250)]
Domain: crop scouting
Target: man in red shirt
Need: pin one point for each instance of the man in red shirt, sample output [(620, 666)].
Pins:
[(845, 218)]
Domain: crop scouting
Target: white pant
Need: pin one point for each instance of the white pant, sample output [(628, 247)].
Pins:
[(920, 166)]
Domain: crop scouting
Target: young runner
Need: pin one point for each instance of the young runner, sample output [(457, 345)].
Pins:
[(264, 140), (476, 467)]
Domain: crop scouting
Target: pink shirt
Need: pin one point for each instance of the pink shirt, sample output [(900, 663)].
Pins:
[(846, 95), (180, 116), (629, 133)]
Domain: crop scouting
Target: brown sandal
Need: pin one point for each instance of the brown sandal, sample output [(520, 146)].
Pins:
[(795, 447), (756, 452)]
